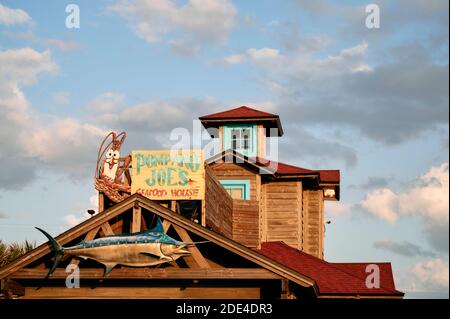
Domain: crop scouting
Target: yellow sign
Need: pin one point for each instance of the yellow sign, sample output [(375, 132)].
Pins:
[(168, 175)]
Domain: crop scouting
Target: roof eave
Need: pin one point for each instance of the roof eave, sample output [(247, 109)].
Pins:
[(397, 295), (208, 122)]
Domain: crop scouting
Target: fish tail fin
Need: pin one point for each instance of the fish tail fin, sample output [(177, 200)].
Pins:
[(57, 249)]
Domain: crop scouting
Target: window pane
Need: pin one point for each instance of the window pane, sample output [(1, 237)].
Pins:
[(241, 138), (238, 189), (246, 135), (234, 142), (235, 138), (246, 142), (235, 193), (236, 133)]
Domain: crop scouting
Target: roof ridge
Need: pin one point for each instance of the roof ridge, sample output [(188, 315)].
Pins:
[(242, 107)]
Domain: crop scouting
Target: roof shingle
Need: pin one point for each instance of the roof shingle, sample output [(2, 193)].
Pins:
[(331, 278), (325, 176)]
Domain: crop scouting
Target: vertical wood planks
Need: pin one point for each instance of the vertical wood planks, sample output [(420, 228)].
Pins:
[(136, 223)]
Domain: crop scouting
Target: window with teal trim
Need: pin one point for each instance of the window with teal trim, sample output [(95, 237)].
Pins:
[(241, 138), (238, 189)]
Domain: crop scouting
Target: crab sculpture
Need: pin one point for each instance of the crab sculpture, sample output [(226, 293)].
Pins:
[(111, 168)]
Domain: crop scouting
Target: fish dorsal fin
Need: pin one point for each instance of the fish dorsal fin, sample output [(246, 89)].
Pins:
[(158, 228)]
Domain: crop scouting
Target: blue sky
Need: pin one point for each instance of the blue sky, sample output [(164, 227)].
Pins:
[(371, 102)]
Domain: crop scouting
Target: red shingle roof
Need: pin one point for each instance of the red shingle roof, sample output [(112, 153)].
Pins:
[(331, 278), (239, 112), (359, 270), (325, 176), (329, 176)]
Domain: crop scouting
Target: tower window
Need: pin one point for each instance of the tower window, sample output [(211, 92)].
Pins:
[(241, 138)]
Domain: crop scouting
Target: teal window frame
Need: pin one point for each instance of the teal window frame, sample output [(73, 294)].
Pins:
[(243, 184), (227, 140)]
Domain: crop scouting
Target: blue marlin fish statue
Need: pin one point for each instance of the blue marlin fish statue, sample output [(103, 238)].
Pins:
[(148, 248)]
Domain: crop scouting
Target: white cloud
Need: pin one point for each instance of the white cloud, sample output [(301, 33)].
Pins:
[(235, 59), (105, 102), (262, 54), (63, 143), (428, 198), (21, 66), (425, 276), (93, 202), (335, 209), (10, 16), (382, 204), (202, 21), (348, 60), (40, 141), (74, 219), (253, 55), (169, 115), (300, 65)]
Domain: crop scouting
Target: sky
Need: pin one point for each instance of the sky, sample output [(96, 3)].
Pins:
[(372, 102)]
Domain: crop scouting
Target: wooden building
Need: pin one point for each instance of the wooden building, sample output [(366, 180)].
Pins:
[(263, 223), (272, 201)]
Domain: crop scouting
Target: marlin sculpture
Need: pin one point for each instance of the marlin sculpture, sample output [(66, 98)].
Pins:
[(148, 248)]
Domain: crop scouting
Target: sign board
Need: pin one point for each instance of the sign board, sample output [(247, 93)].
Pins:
[(168, 175)]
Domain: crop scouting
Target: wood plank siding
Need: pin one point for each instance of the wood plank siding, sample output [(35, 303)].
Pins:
[(282, 212), (235, 171), (278, 210), (313, 225), (246, 222)]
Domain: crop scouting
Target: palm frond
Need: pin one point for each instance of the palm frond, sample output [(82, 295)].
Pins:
[(11, 252)]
